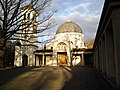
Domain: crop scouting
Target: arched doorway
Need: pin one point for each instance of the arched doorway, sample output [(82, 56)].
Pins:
[(62, 57), (24, 60), (62, 53)]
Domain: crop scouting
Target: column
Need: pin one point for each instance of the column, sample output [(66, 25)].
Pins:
[(94, 57), (104, 55), (110, 53), (99, 56), (116, 35), (43, 59), (35, 60), (97, 59), (82, 57)]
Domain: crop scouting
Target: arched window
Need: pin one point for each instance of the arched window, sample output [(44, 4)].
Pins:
[(18, 44), (61, 46)]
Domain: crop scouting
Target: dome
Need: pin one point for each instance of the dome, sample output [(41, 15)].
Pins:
[(69, 26)]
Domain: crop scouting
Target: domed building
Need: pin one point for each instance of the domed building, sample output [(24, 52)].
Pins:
[(67, 47), (69, 26)]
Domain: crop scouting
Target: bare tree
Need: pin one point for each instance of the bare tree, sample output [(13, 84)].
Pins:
[(11, 25)]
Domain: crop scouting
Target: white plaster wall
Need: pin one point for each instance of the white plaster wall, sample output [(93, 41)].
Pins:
[(28, 50), (71, 40)]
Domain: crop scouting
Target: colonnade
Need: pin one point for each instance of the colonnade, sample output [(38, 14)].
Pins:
[(107, 43)]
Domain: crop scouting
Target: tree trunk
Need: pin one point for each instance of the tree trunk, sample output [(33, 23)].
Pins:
[(2, 52)]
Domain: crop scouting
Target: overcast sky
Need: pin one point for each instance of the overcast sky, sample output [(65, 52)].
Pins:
[(85, 13)]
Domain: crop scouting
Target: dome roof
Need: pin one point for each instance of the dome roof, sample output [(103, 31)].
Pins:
[(69, 26)]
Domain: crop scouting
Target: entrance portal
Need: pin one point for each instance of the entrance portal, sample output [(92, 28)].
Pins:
[(62, 58), (24, 60)]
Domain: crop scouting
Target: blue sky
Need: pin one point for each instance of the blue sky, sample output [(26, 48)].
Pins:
[(85, 13)]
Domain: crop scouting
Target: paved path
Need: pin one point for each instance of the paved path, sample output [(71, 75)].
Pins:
[(52, 78), (86, 78)]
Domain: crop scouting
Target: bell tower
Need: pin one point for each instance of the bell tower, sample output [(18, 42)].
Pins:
[(29, 37)]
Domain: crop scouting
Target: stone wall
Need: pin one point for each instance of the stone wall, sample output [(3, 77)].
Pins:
[(107, 42)]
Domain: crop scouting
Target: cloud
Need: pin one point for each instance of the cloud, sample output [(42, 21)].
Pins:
[(88, 23), (85, 13), (81, 6)]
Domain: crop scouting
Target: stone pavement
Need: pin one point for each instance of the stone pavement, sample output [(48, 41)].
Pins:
[(52, 78), (86, 78)]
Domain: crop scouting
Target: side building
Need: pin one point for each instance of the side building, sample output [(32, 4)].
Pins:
[(28, 42), (107, 43)]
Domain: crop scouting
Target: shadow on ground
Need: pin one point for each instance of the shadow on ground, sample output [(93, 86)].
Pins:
[(86, 78), (52, 78), (35, 78), (7, 75)]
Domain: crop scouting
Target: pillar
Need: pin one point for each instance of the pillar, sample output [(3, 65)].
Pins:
[(116, 34), (35, 60), (94, 58), (82, 58), (99, 57), (43, 59), (104, 54), (110, 63)]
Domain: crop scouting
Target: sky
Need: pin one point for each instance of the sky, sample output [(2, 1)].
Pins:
[(85, 13)]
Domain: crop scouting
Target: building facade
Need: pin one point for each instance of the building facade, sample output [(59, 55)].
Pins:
[(28, 42), (107, 45), (67, 47)]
